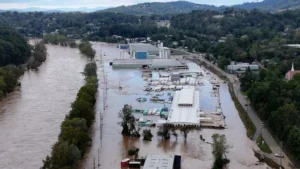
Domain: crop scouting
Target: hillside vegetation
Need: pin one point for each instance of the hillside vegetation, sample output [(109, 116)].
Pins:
[(13, 47), (161, 8), (177, 7), (272, 5)]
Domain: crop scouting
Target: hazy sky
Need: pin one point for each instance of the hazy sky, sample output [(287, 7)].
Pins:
[(13, 4)]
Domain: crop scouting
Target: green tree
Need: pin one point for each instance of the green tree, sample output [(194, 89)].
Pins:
[(147, 134), (220, 148), (128, 122)]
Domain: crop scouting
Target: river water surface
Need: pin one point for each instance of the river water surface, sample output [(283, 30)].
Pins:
[(111, 148), (30, 117)]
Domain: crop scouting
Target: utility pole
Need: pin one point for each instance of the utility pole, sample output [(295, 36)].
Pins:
[(261, 129), (281, 153), (98, 157), (94, 163)]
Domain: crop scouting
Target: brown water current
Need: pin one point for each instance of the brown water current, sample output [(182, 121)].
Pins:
[(30, 117), (112, 147)]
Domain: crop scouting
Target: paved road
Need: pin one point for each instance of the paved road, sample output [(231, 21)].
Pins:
[(286, 162)]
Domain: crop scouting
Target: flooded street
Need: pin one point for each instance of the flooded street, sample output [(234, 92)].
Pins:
[(112, 146), (30, 117)]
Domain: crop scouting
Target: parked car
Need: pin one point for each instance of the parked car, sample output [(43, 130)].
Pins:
[(279, 155)]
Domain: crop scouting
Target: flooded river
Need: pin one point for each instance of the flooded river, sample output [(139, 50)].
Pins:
[(30, 117), (111, 147)]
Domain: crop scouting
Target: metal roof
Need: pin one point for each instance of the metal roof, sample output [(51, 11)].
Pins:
[(153, 62), (159, 162), (188, 115), (132, 61), (186, 96), (166, 62), (143, 47)]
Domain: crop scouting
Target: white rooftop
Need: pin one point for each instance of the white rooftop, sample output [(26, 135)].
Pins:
[(159, 162), (186, 96), (185, 115)]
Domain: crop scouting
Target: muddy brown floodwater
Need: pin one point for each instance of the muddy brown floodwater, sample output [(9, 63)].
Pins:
[(30, 117), (112, 147)]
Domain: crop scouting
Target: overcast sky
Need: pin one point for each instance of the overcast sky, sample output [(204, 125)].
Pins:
[(14, 4)]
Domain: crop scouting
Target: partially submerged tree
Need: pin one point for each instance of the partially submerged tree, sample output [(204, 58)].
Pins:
[(220, 148), (185, 130), (165, 130), (147, 135), (128, 122)]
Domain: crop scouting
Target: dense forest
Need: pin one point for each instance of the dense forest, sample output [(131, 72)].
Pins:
[(13, 47), (277, 103), (14, 51), (75, 25), (239, 35)]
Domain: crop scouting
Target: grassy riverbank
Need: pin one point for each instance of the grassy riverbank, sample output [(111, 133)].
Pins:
[(250, 127), (263, 145)]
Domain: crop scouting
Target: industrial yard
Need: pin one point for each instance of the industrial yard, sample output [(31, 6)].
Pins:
[(163, 96)]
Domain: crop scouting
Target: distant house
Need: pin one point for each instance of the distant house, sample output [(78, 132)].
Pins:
[(236, 67), (290, 74)]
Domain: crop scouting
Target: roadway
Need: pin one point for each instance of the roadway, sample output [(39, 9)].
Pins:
[(285, 162)]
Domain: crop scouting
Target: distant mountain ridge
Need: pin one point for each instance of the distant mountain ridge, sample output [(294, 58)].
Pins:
[(35, 9), (175, 7), (161, 8), (272, 5)]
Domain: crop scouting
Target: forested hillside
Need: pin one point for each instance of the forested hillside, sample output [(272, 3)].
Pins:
[(177, 7), (76, 24), (248, 36), (14, 50), (161, 8), (272, 5), (13, 47)]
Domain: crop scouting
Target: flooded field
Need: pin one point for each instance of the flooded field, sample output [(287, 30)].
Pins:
[(112, 146), (30, 117)]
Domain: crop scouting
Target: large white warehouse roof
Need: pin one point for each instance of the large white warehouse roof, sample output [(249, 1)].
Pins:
[(185, 115)]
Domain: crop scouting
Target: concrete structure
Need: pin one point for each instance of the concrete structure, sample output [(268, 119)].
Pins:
[(185, 109), (162, 162), (175, 77), (290, 74), (159, 161), (123, 46), (164, 52), (235, 67), (155, 64), (139, 50)]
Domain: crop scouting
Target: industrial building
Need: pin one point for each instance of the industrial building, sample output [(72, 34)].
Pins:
[(235, 67), (143, 51), (162, 162), (155, 64), (148, 51), (123, 46), (185, 109), (164, 52)]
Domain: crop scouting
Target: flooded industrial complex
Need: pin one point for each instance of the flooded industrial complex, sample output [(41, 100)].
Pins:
[(173, 91), (157, 99)]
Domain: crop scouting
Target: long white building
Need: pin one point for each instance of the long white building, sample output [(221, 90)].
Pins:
[(185, 109)]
